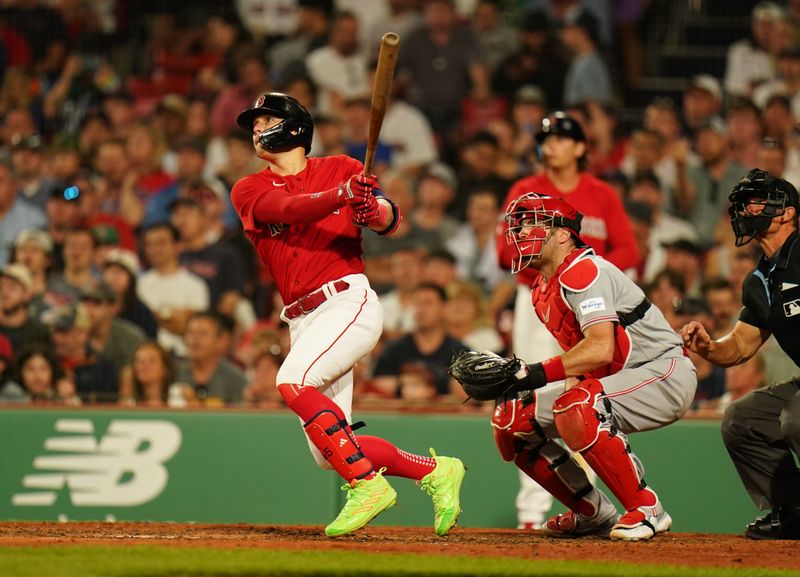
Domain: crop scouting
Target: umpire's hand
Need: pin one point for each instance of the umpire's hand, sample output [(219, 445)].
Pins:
[(696, 338)]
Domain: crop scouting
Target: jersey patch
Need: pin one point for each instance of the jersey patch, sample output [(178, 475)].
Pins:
[(592, 305), (792, 308)]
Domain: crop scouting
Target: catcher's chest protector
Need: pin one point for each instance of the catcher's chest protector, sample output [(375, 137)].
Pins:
[(552, 310)]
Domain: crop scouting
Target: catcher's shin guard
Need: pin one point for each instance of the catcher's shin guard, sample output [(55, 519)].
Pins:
[(587, 430), (326, 426), (553, 468)]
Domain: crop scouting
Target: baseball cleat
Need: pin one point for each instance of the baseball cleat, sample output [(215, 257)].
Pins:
[(572, 524), (443, 484), (366, 499), (642, 524)]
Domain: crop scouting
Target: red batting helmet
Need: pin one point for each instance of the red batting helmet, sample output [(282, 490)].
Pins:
[(531, 218)]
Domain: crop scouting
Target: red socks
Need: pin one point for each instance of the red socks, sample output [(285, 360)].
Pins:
[(398, 463)]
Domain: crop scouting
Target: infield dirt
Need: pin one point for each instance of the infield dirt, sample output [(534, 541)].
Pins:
[(671, 548)]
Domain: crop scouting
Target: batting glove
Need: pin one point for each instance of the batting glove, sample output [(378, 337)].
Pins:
[(362, 201)]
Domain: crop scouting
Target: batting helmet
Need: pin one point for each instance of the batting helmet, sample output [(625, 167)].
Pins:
[(759, 189), (531, 219), (561, 124), (296, 129)]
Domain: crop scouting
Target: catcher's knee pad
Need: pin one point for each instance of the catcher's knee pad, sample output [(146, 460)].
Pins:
[(576, 417), (333, 438), (515, 426)]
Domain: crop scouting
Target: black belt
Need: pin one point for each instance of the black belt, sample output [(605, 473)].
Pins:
[(627, 319)]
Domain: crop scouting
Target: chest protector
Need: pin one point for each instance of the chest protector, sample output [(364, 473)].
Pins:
[(577, 273)]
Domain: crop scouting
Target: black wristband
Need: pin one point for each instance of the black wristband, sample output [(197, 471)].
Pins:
[(536, 379)]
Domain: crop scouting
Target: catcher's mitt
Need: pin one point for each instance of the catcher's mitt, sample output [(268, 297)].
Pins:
[(486, 376)]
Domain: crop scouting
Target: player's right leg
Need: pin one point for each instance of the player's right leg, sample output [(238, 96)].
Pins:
[(521, 439)]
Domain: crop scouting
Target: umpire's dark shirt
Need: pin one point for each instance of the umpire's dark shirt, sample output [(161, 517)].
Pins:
[(771, 297)]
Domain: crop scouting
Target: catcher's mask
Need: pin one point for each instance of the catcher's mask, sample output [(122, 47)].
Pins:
[(296, 129), (755, 200), (531, 219)]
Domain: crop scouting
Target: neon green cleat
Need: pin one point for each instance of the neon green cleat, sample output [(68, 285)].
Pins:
[(443, 484), (366, 499)]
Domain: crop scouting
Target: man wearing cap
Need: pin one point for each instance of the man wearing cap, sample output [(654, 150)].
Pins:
[(702, 100), (700, 195), (27, 159), (34, 249), (116, 338), (79, 247), (16, 322), (605, 228), (762, 429), (16, 214), (749, 62), (94, 375)]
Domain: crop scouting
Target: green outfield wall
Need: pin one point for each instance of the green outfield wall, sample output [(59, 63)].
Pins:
[(254, 467)]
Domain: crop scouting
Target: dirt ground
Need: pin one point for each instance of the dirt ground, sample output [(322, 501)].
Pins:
[(670, 548)]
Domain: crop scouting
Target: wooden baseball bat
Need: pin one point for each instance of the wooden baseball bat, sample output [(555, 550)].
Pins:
[(381, 92)]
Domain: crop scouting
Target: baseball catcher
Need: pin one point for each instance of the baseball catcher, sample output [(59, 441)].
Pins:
[(623, 371)]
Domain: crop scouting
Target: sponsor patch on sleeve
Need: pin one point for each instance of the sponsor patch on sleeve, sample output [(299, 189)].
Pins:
[(592, 305)]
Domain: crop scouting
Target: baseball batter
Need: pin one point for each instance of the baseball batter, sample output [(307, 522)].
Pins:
[(623, 371), (305, 217)]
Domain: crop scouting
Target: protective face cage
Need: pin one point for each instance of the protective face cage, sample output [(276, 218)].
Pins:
[(296, 129), (755, 189), (531, 219), (286, 135)]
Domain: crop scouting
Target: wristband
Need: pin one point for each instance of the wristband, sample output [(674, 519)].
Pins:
[(554, 369)]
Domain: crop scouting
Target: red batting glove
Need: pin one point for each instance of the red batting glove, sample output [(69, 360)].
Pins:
[(362, 201)]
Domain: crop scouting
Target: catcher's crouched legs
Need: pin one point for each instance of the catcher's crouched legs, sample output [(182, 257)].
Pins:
[(519, 438), (582, 417)]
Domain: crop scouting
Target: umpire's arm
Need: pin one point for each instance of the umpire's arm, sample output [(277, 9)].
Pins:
[(736, 347)]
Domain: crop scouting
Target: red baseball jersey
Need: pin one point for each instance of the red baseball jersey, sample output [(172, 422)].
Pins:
[(302, 257), (605, 226)]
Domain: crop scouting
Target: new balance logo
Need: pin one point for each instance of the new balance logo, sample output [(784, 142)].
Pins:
[(124, 468)]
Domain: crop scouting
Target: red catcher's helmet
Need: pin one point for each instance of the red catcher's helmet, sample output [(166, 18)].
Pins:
[(531, 219)]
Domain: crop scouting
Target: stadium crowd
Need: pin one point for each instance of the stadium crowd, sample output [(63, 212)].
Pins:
[(125, 277)]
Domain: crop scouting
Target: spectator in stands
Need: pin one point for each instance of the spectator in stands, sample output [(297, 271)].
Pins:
[(33, 249), (16, 322), (262, 388), (42, 378), (666, 291), (15, 213), (740, 380), (93, 375), (153, 376), (313, 25), (355, 128), (645, 155), (215, 380), (441, 63), (778, 118), (587, 76), (403, 18), (478, 170), (116, 185), (65, 162), (467, 318), (118, 106), (537, 60), (217, 263), (436, 192), (10, 391), (607, 145), (170, 291), (398, 304), (27, 159), (115, 337), (170, 120), (439, 268), (685, 258), (702, 192), (745, 132), (474, 247), (749, 62), (702, 101), (339, 68), (145, 148), (771, 157), (423, 354), (497, 40), (252, 80), (63, 215), (661, 116), (723, 306), (120, 271), (65, 287), (787, 83), (664, 227)]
